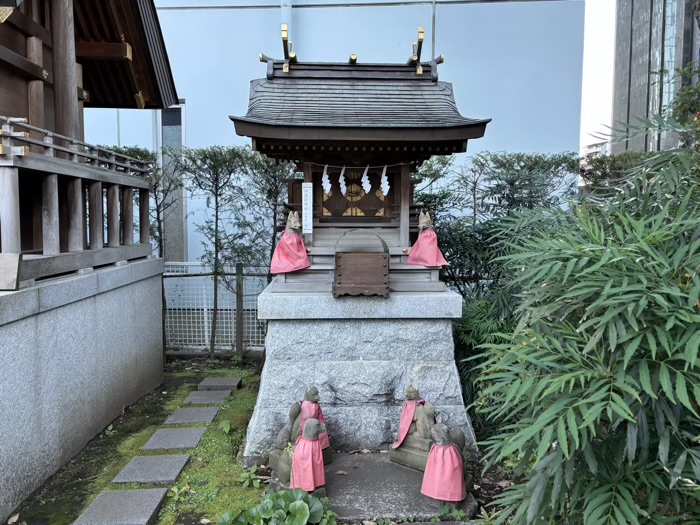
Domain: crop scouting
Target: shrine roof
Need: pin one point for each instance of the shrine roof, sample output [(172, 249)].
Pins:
[(357, 97)]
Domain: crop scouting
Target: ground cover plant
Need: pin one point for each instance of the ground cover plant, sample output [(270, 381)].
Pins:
[(286, 507), (597, 390)]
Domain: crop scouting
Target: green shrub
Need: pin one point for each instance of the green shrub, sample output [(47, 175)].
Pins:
[(284, 508), (598, 388)]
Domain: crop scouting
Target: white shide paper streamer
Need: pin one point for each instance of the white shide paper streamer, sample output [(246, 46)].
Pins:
[(366, 184), (341, 181), (385, 183), (325, 181)]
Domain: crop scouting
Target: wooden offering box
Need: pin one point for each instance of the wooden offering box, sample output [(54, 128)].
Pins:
[(361, 273)]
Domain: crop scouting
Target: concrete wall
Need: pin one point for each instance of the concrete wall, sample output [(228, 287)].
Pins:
[(73, 353)]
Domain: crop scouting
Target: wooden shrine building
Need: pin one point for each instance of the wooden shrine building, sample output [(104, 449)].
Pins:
[(334, 120), (80, 293), (56, 58)]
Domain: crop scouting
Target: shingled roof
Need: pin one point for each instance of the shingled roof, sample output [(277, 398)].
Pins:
[(355, 103)]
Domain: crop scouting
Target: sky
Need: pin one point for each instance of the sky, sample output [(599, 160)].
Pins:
[(518, 63)]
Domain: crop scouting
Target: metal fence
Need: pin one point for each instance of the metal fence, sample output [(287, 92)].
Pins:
[(189, 303)]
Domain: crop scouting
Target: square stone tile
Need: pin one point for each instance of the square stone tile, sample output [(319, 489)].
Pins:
[(152, 469), (124, 507), (175, 438), (220, 383), (207, 397), (184, 416)]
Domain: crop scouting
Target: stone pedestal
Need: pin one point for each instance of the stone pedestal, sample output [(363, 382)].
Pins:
[(361, 353)]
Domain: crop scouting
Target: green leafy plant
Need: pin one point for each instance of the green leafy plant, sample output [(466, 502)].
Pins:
[(436, 519), (286, 507), (444, 509), (179, 492), (110, 431), (458, 514), (597, 391), (225, 426), (488, 518), (249, 477)]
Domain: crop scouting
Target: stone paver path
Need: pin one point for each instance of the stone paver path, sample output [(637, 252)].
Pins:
[(124, 507), (153, 470), (220, 383), (175, 438), (140, 506), (207, 397)]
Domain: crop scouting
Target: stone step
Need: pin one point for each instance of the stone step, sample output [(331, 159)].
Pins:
[(175, 438), (154, 470), (124, 507), (185, 416), (220, 383), (207, 397), (409, 457)]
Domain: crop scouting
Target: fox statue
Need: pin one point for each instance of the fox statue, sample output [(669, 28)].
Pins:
[(290, 252)]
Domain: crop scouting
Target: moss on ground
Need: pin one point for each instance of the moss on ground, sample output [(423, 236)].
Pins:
[(208, 485)]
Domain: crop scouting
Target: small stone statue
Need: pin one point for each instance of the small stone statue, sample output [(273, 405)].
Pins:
[(417, 417), (413, 440), (307, 460), (290, 253), (279, 460), (300, 412), (444, 473), (425, 251)]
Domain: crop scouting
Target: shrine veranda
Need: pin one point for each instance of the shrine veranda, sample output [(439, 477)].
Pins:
[(358, 132)]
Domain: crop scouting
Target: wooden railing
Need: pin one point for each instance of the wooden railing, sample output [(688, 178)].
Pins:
[(53, 191), (20, 138)]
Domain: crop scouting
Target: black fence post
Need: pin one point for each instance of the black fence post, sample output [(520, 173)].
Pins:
[(239, 309)]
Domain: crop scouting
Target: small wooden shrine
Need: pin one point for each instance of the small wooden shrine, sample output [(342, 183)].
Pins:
[(358, 132), (56, 58)]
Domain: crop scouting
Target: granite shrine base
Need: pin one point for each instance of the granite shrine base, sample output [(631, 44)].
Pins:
[(361, 353)]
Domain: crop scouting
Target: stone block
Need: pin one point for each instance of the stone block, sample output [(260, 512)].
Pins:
[(220, 383), (399, 305), (184, 416), (155, 470), (207, 397), (347, 383), (67, 290), (123, 507), (19, 304), (371, 340), (437, 381), (175, 438), (409, 457)]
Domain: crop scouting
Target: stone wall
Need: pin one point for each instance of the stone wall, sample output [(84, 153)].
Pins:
[(74, 352), (361, 353)]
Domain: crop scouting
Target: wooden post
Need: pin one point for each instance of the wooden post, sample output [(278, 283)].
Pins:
[(81, 105), (50, 233), (405, 205), (113, 216), (76, 215), (144, 216), (96, 211), (239, 309), (65, 82), (9, 211), (128, 216), (35, 89)]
